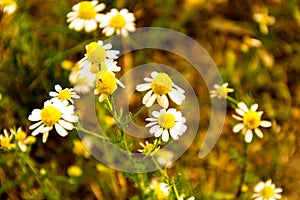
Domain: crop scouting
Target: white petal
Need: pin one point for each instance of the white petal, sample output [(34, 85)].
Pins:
[(165, 136), (150, 119), (60, 130), (258, 133), (58, 88), (45, 136), (33, 126), (243, 106), (66, 125), (237, 117), (35, 115), (154, 129), (265, 124), (158, 132), (151, 124), (238, 127), (143, 87), (90, 25), (147, 96), (248, 136), (150, 101), (254, 107), (53, 94), (240, 111), (37, 131), (163, 101), (156, 113), (174, 134)]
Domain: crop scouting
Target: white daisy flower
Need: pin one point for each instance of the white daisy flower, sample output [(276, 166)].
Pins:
[(81, 85), (117, 22), (85, 15), (54, 113), (98, 53), (161, 190), (160, 85), (251, 120), (67, 94), (167, 122), (221, 91), (8, 6), (165, 158), (266, 191)]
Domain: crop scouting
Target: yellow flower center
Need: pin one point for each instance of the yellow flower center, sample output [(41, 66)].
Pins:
[(117, 21), (74, 171), (166, 120), (86, 10), (20, 135), (95, 53), (65, 94), (148, 148), (50, 115), (267, 192), (5, 143), (106, 82), (161, 84), (251, 120), (7, 3)]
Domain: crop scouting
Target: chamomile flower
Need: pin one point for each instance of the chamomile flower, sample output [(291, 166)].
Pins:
[(149, 148), (6, 139), (55, 113), (119, 22), (85, 15), (81, 84), (221, 91), (97, 52), (106, 84), (266, 191), (167, 122), (264, 20), (8, 6), (22, 138), (161, 190), (165, 158), (249, 42), (67, 94), (250, 121), (160, 85)]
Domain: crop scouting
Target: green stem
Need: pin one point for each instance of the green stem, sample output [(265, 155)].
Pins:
[(243, 171), (165, 175), (232, 100), (92, 133), (136, 115)]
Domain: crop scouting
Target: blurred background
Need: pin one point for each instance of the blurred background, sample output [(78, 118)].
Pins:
[(261, 67)]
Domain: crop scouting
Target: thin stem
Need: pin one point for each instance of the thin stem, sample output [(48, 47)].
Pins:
[(92, 133), (232, 100), (136, 115), (165, 175), (243, 170)]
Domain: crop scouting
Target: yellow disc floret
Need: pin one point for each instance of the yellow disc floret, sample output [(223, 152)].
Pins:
[(5, 143), (117, 21), (161, 84), (106, 82), (50, 115), (251, 119), (65, 94), (267, 192), (20, 135), (95, 53), (86, 10), (166, 120)]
